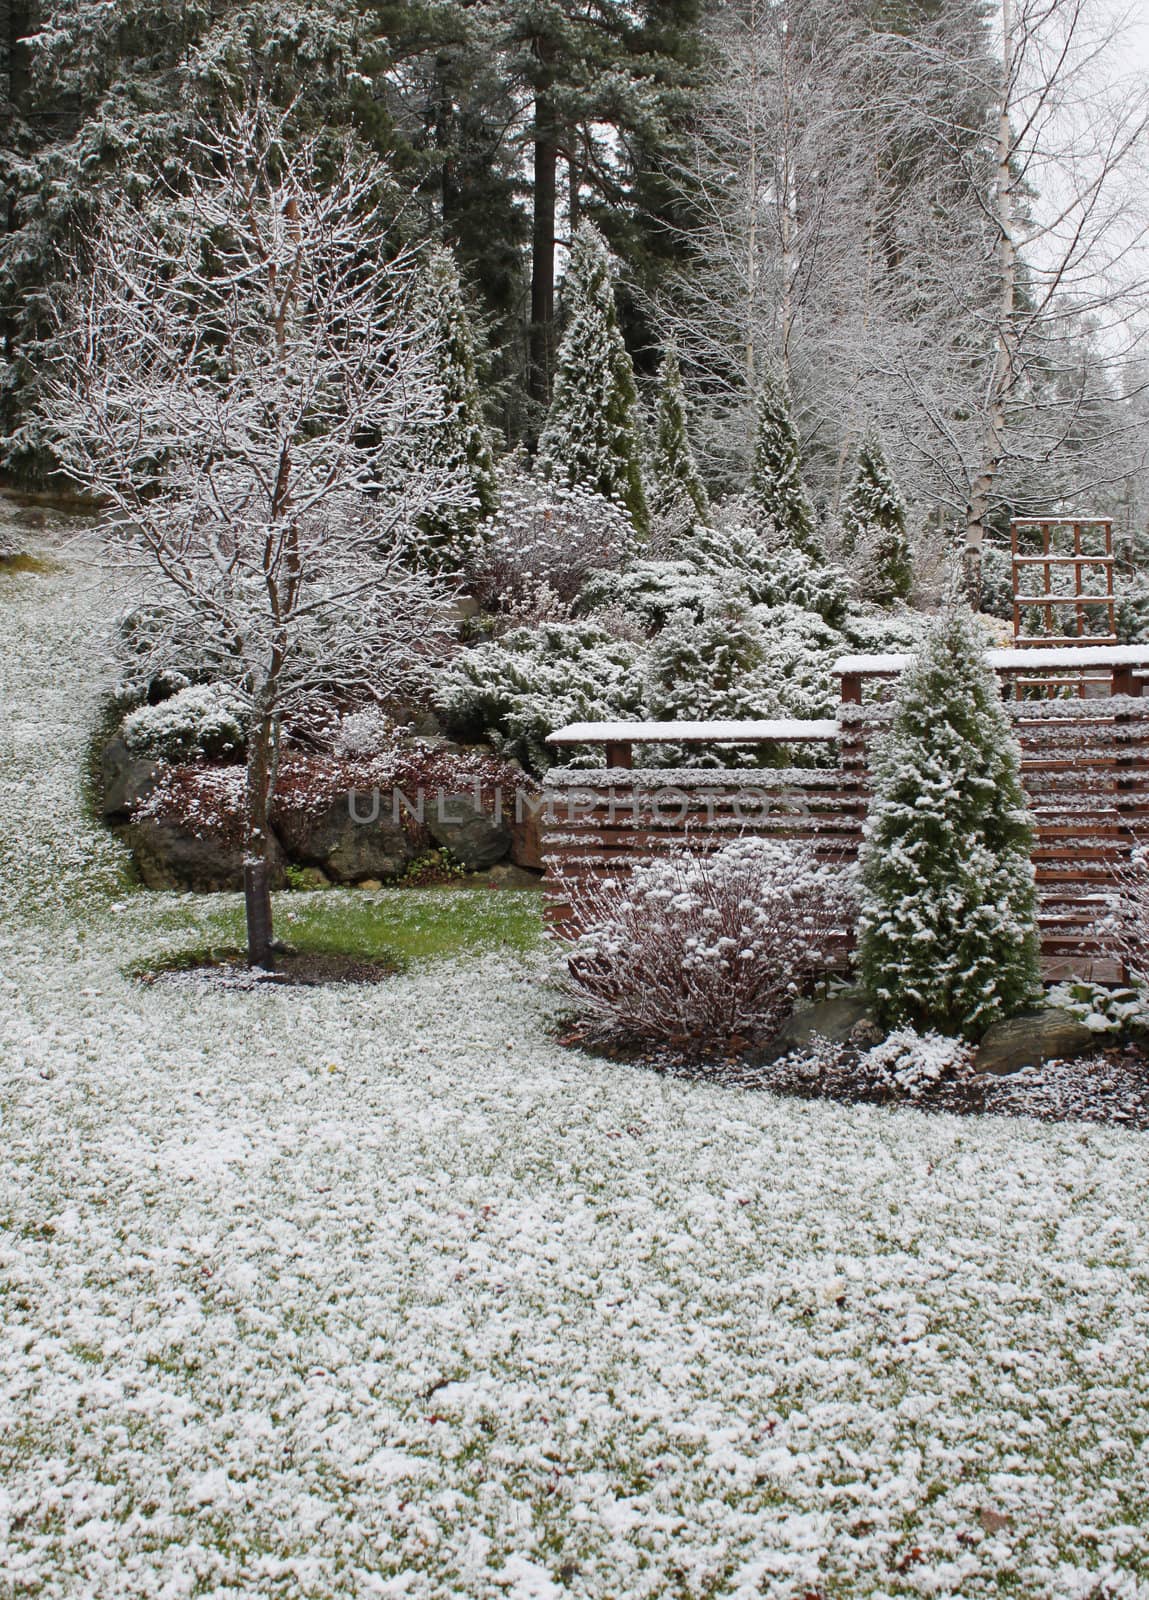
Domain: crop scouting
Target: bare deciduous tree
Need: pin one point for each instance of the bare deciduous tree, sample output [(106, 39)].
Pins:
[(240, 380), (1068, 225)]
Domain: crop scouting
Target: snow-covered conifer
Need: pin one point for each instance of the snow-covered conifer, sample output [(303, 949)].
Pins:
[(458, 444), (591, 434), (946, 929), (776, 478), (874, 526), (677, 484)]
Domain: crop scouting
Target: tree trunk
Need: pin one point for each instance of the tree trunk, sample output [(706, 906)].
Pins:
[(546, 152), (1005, 333), (262, 760)]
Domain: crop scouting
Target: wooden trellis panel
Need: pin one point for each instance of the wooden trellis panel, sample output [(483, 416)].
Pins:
[(1085, 765), (1065, 549)]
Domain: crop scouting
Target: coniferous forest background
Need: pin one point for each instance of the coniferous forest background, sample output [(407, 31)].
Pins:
[(810, 197)]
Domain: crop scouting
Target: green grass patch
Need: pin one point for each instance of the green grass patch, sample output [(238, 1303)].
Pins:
[(410, 924), (393, 926), (40, 565)]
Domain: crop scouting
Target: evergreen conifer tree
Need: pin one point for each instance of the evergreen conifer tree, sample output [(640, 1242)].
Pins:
[(459, 443), (776, 477), (677, 484), (591, 434), (874, 524), (946, 928)]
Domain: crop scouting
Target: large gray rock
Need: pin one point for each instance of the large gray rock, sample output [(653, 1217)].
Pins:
[(1036, 1036), (459, 824), (170, 857), (345, 847), (125, 779), (847, 1019)]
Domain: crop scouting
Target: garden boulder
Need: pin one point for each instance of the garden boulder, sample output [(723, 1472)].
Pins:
[(170, 856), (461, 824), (847, 1019), (351, 839), (126, 778), (1049, 1034)]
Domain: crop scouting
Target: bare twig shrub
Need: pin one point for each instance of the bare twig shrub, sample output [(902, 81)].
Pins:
[(542, 543), (1129, 924), (703, 953)]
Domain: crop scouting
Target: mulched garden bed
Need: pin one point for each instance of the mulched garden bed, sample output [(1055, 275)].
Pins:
[(293, 969), (1109, 1087)]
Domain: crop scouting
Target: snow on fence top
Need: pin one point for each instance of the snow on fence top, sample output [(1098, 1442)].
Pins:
[(693, 732), (1106, 655)]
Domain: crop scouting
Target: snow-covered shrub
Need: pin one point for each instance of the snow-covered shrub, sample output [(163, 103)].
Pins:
[(799, 650), (650, 591), (907, 1065), (361, 734), (910, 1063), (202, 721), (946, 929), (873, 630), (592, 428), (702, 669), (739, 662), (777, 467), (700, 953), (678, 493), (873, 517), (534, 680), (732, 561), (546, 534), (769, 573)]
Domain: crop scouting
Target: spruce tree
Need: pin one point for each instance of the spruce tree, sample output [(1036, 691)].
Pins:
[(678, 490), (946, 927), (874, 525), (591, 434), (458, 443), (776, 478)]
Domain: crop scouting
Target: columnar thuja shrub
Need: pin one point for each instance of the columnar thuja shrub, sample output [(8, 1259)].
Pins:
[(776, 474), (699, 953), (874, 528), (678, 490), (592, 428), (947, 935)]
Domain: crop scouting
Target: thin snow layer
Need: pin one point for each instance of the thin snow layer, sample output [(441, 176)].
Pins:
[(692, 732), (382, 1292), (1076, 655)]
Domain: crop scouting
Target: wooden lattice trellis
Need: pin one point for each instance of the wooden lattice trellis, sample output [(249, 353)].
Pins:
[(1065, 549)]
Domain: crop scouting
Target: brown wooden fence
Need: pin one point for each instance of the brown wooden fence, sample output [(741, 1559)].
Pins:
[(1085, 765)]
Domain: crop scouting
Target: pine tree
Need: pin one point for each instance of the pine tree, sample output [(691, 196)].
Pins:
[(776, 477), (591, 435), (946, 929), (874, 524), (678, 488), (459, 443)]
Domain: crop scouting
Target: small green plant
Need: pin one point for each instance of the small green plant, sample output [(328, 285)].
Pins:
[(433, 866), (23, 562)]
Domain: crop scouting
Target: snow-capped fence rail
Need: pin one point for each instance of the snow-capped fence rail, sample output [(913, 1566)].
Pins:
[(1085, 765)]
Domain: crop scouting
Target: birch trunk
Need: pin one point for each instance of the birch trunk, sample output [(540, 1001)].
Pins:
[(1004, 369)]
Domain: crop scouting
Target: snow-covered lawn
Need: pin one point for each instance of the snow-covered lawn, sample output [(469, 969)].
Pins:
[(380, 1291)]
